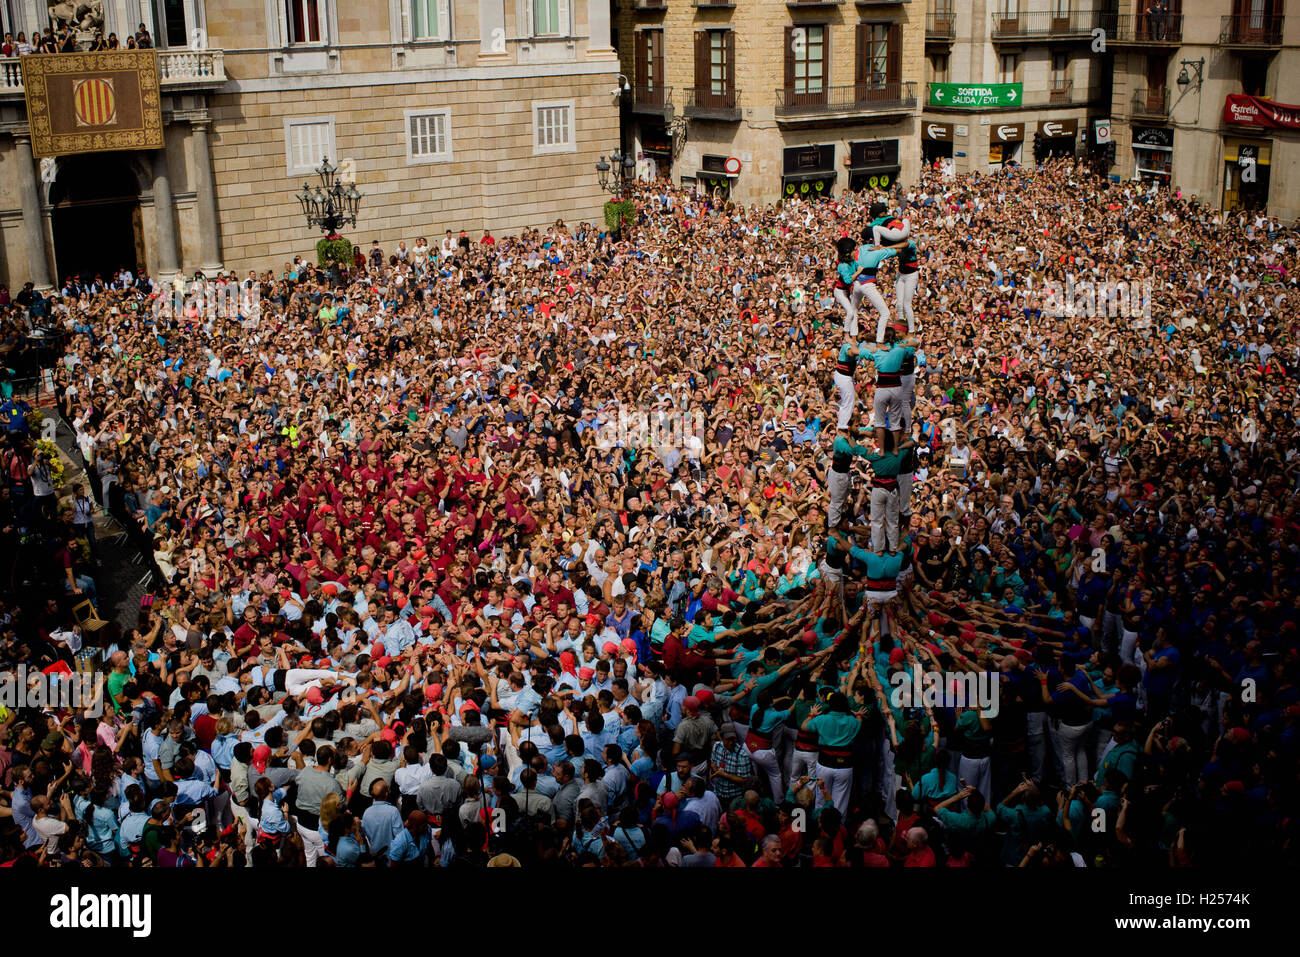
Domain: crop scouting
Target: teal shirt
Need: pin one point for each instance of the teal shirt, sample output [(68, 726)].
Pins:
[(1122, 757), (886, 466), (835, 729), (770, 721), (870, 257), (842, 446), (929, 786), (879, 567), (887, 360), (965, 823)]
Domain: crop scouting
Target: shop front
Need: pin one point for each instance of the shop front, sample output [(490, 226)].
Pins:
[(873, 164), (1246, 173), (1058, 138), (656, 149), (936, 142), (714, 177), (808, 171), (1005, 141), (1153, 154)]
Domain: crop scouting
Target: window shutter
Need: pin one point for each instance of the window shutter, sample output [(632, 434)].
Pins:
[(404, 20), (641, 63), (894, 64), (444, 19), (701, 62), (860, 69), (526, 6), (789, 62), (564, 28), (657, 50), (730, 53)]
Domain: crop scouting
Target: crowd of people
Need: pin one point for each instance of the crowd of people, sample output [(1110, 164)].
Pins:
[(435, 584)]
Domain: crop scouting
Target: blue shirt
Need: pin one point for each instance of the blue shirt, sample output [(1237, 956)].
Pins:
[(407, 847), (382, 823)]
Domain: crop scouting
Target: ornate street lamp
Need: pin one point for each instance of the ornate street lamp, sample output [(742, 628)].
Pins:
[(616, 178), (333, 204)]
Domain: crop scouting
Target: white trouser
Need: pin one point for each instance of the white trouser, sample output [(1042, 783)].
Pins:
[(801, 763), (908, 383), (850, 310), (904, 495), (1074, 752), (833, 577), (874, 297), (905, 286), (1128, 647), (298, 680), (884, 519), (312, 845), (978, 773), (884, 236), (838, 487), (888, 408), (839, 781), (766, 760), (888, 776), (848, 397)]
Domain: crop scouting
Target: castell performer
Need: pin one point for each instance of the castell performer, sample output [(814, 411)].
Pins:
[(883, 568), (837, 480), (885, 469), (909, 275), (890, 410), (888, 227), (846, 364), (836, 728), (846, 270), (869, 260)]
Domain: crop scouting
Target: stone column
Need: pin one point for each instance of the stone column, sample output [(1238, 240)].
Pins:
[(164, 212), (205, 188), (29, 194)]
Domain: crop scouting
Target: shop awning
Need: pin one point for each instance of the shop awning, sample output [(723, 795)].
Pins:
[(808, 176)]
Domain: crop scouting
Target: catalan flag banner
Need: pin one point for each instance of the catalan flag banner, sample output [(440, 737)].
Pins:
[(93, 102)]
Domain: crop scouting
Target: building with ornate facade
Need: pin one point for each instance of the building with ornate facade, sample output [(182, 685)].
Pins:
[(450, 114)]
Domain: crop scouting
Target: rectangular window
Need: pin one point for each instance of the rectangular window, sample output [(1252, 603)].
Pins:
[(939, 68), (809, 60), (718, 62), (430, 20), (304, 21), (428, 136), (308, 140), (1060, 70), (877, 50), (550, 18), (1009, 63), (553, 128)]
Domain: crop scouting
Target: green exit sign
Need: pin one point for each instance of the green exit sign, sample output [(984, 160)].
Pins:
[(975, 96)]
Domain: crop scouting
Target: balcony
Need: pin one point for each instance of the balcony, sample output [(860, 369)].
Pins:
[(178, 70), (650, 6), (940, 27), (812, 4), (1045, 25), (1061, 93), (703, 104), (713, 4), (836, 102), (1251, 31), (1150, 104), (652, 100), (1128, 29)]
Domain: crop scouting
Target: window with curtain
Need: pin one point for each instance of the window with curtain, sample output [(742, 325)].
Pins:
[(1009, 63), (304, 21), (877, 41)]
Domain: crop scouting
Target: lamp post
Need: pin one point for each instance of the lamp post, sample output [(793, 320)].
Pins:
[(331, 205), (616, 178)]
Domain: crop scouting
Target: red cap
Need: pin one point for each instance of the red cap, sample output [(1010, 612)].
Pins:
[(691, 703), (433, 692), (705, 697), (261, 755), (587, 673), (895, 656), (609, 648), (314, 696)]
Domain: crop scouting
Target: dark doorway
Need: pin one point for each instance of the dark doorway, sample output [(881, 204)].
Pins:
[(95, 213)]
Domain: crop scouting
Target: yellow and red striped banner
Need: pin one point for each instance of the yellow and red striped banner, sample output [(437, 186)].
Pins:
[(93, 102)]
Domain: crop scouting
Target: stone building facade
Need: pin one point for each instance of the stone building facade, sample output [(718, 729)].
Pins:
[(448, 114), (805, 96)]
